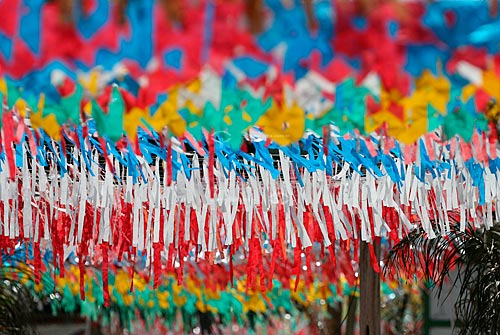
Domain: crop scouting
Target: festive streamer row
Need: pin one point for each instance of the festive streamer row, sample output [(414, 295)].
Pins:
[(206, 289), (191, 298), (214, 207), (283, 113), (389, 34)]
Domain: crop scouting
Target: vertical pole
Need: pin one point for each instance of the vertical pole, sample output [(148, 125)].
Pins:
[(369, 282), (427, 323), (351, 315)]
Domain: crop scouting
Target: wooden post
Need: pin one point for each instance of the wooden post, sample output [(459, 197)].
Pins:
[(351, 315), (369, 283)]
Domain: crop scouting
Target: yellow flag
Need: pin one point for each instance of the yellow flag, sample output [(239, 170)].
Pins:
[(167, 115), (48, 124), (491, 84), (3, 86), (283, 125), (437, 90), (91, 84), (384, 115), (132, 120)]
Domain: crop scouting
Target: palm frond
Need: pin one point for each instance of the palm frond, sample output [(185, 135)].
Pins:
[(16, 300), (473, 254), (16, 304)]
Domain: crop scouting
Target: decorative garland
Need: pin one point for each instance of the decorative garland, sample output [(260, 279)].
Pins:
[(284, 117), (123, 206), (206, 289)]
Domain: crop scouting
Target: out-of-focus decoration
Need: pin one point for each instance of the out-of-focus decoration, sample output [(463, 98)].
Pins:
[(206, 293)]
